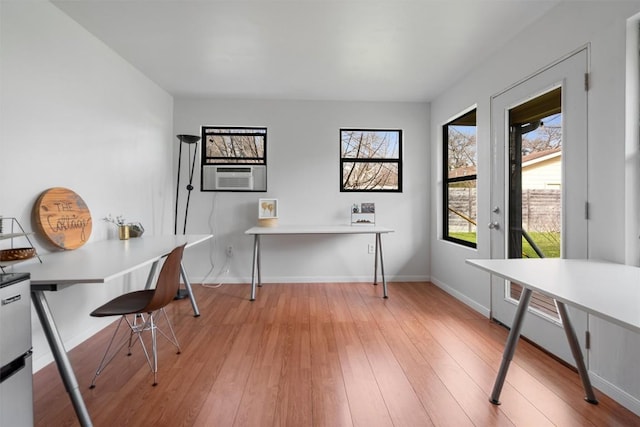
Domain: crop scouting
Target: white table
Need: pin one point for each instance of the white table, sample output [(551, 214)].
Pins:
[(96, 262), (317, 229), (607, 290)]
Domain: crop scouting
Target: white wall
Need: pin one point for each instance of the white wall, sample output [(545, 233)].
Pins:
[(303, 153), (74, 114), (602, 25)]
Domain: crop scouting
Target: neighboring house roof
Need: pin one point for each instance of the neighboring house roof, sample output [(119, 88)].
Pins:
[(541, 156), (528, 160)]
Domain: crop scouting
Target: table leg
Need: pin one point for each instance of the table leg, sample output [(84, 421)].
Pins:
[(187, 285), (259, 260), (375, 263), (577, 353), (510, 346), (254, 264), (60, 355), (152, 274), (384, 278)]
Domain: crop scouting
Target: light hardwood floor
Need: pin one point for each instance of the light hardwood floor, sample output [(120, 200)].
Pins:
[(326, 354)]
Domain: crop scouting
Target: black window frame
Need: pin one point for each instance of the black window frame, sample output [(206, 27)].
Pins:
[(246, 131), (446, 180), (398, 161)]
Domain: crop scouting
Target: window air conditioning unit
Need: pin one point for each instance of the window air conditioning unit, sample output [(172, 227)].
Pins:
[(234, 177)]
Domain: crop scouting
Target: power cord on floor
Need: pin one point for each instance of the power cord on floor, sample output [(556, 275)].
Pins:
[(224, 271)]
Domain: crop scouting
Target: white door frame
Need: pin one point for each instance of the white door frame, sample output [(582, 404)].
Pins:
[(569, 73)]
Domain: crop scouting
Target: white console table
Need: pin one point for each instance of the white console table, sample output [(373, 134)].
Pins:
[(317, 229), (95, 262), (607, 290)]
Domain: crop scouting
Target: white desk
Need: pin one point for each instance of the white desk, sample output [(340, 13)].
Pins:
[(316, 229), (96, 262), (607, 290)]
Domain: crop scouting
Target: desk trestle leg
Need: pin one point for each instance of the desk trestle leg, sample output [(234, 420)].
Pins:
[(510, 347), (255, 266), (187, 285), (577, 353), (384, 278), (258, 263), (151, 275), (375, 262), (59, 353)]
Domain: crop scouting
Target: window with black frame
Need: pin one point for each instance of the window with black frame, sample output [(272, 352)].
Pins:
[(370, 160), (238, 145), (460, 180)]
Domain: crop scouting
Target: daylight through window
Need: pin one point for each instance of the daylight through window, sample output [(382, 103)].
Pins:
[(459, 216), (234, 145), (370, 160)]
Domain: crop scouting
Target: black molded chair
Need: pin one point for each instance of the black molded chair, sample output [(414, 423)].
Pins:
[(144, 307)]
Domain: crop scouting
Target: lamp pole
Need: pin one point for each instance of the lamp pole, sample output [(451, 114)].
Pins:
[(189, 140), (186, 139)]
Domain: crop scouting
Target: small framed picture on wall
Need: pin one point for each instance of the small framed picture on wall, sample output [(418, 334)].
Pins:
[(268, 208)]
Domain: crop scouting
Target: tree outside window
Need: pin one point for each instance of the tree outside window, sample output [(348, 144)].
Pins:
[(370, 160), (244, 145)]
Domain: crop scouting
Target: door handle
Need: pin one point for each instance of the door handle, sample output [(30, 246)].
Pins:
[(494, 225)]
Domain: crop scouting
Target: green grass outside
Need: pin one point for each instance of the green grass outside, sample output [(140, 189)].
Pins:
[(549, 243)]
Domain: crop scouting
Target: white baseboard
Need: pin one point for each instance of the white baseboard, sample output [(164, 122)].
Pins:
[(615, 393), (315, 279), (485, 311)]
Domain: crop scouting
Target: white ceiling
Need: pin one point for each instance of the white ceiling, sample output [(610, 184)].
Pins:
[(356, 50)]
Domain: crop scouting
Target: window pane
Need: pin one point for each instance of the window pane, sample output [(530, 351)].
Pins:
[(461, 150), (371, 160), (462, 210), (370, 175), (535, 183), (235, 146), (361, 144)]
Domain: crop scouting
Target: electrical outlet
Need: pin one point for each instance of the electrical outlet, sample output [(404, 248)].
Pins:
[(371, 248), (229, 251)]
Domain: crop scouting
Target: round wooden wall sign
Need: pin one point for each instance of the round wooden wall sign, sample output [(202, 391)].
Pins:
[(63, 217)]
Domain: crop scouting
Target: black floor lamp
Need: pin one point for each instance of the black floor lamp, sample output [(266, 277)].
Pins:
[(189, 140)]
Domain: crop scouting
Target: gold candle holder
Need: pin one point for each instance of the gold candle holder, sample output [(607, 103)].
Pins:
[(123, 232)]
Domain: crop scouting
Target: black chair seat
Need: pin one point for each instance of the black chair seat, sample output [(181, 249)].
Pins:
[(131, 303)]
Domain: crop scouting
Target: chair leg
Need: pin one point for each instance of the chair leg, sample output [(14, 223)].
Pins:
[(107, 358), (172, 339), (153, 325), (135, 326), (138, 325), (154, 349), (149, 325), (139, 329)]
